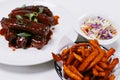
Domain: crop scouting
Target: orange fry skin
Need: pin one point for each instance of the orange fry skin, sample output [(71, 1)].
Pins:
[(108, 54), (101, 74), (94, 43), (87, 61), (74, 70), (113, 64), (80, 44), (98, 68), (83, 50), (95, 72), (56, 57), (112, 77), (64, 52), (77, 56), (71, 74), (70, 58), (103, 65), (87, 52), (96, 60), (76, 63)]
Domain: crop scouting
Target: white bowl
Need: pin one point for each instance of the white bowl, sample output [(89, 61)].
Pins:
[(102, 42)]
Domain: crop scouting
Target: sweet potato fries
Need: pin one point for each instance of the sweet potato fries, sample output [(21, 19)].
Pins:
[(87, 61)]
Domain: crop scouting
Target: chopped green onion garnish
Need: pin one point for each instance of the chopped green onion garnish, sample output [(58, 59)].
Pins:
[(19, 17), (31, 15), (9, 16), (41, 9), (35, 13), (24, 6), (24, 34), (20, 22), (35, 20)]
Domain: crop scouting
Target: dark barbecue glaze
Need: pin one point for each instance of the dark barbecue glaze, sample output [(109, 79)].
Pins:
[(38, 32)]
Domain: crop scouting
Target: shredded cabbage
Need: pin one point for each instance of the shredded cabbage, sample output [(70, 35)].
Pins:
[(99, 28)]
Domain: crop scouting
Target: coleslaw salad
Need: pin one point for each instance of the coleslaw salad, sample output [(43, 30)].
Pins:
[(97, 26)]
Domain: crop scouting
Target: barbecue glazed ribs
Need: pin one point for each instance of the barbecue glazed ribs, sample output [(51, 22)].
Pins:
[(28, 26)]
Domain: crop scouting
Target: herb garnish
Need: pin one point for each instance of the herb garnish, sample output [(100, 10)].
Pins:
[(24, 6), (35, 20), (9, 16), (19, 17), (31, 15), (41, 9), (20, 22), (24, 34)]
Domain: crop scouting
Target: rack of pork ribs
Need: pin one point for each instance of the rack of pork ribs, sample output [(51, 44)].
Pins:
[(28, 26)]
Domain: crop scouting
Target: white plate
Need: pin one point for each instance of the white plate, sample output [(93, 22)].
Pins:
[(32, 56)]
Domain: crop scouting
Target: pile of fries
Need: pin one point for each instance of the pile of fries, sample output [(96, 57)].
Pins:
[(87, 61)]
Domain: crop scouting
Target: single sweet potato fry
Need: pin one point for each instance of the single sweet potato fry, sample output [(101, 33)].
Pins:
[(101, 74), (83, 51), (98, 68), (80, 44), (113, 64), (108, 54), (76, 63), (71, 74), (65, 52), (94, 43), (77, 56), (56, 57), (103, 65), (70, 58), (74, 70)]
